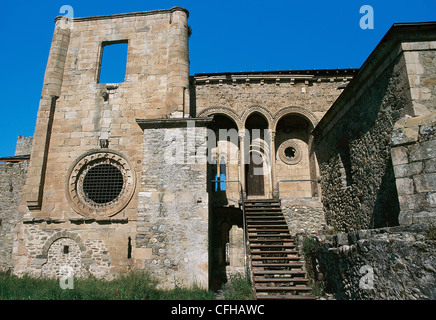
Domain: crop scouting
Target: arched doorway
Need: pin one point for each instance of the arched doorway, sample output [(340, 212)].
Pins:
[(296, 168), (257, 156)]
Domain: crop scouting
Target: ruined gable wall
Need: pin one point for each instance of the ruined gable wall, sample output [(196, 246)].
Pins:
[(81, 120)]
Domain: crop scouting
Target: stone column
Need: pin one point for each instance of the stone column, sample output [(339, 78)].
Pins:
[(273, 165), (50, 92), (178, 64), (242, 160)]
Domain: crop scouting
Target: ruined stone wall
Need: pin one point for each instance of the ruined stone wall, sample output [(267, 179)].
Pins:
[(357, 178), (173, 214), (413, 141), (380, 264), (12, 178), (83, 124)]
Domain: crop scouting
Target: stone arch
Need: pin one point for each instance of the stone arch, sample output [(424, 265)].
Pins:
[(222, 110), (259, 109), (308, 115), (66, 234)]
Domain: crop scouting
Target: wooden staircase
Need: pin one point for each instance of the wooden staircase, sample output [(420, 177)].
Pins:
[(276, 268)]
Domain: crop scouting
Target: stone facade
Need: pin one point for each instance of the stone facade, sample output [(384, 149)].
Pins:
[(356, 141), (149, 173), (395, 263)]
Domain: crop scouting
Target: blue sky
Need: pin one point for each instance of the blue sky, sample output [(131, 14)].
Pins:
[(228, 36)]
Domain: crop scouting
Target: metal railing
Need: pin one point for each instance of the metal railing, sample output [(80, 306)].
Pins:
[(243, 218)]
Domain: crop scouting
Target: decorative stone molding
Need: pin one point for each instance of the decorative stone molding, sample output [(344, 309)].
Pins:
[(78, 198), (259, 109), (290, 152), (222, 110), (309, 116)]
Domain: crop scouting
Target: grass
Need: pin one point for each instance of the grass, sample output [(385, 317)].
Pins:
[(134, 286), (239, 288)]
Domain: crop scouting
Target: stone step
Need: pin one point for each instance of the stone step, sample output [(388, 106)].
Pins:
[(277, 265), (284, 297)]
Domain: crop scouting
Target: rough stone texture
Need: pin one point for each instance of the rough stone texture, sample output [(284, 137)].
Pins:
[(414, 167), (364, 135), (12, 178), (24, 146), (303, 216), (173, 205), (396, 263), (77, 114), (299, 99)]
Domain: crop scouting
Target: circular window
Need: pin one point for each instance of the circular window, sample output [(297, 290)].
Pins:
[(103, 183), (100, 183), (290, 152)]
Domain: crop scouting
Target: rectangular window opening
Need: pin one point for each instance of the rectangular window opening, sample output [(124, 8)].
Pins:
[(113, 62)]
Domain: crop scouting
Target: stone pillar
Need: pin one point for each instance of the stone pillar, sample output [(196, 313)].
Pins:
[(273, 165), (50, 92), (178, 64), (242, 160)]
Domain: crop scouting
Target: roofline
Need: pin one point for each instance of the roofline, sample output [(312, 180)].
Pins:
[(124, 15), (399, 32), (331, 72)]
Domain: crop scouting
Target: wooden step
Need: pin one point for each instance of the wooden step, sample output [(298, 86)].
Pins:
[(272, 246), (284, 297), (291, 288), (288, 252), (277, 265), (280, 272), (255, 235), (275, 258), (281, 279)]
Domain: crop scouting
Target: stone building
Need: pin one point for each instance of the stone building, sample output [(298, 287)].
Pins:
[(151, 173)]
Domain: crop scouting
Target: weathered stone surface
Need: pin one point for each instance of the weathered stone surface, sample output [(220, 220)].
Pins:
[(382, 264)]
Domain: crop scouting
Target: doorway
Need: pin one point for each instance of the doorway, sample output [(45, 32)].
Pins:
[(254, 175)]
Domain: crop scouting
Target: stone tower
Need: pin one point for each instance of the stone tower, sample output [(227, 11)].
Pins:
[(80, 207)]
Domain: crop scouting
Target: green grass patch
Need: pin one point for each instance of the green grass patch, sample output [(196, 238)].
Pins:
[(134, 286), (239, 288)]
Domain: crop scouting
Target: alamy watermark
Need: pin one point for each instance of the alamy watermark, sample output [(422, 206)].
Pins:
[(66, 279), (67, 13), (199, 146), (367, 280), (367, 20)]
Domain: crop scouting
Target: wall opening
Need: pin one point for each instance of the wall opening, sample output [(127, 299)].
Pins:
[(113, 62)]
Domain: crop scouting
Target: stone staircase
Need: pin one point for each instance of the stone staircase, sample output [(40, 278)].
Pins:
[(276, 268)]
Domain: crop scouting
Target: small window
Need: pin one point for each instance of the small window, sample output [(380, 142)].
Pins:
[(113, 62), (66, 249)]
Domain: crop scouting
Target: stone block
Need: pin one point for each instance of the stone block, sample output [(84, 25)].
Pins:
[(405, 135), (399, 155), (406, 170), (425, 182), (431, 198), (422, 151), (405, 186)]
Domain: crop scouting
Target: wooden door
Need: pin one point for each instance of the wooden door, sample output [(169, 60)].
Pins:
[(254, 176)]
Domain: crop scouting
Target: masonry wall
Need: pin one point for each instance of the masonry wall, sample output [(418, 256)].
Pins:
[(80, 121), (172, 240), (357, 177), (305, 96), (12, 178), (413, 141), (395, 263)]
